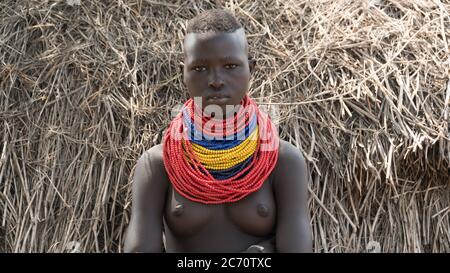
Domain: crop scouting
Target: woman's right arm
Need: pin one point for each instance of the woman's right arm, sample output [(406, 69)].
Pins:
[(144, 233)]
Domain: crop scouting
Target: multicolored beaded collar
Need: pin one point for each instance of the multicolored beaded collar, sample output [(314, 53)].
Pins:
[(215, 161)]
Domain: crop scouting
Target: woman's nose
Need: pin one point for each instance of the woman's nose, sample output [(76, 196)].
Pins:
[(215, 81)]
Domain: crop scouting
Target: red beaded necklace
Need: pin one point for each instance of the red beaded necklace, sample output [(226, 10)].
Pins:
[(193, 181)]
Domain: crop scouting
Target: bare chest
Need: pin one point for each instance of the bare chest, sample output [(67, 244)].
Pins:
[(253, 215)]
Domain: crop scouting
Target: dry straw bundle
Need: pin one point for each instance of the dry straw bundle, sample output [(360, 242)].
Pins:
[(361, 87)]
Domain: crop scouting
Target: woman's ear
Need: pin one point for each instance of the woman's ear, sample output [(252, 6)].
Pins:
[(251, 64), (181, 67)]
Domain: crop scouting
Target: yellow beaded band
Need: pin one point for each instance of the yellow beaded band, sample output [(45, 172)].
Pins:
[(225, 159)]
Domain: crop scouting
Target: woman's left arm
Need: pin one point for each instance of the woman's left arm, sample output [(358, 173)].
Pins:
[(293, 229)]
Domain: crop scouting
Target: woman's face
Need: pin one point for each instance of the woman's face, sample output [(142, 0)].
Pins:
[(217, 68)]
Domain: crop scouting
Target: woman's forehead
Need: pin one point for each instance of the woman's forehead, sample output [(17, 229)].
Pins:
[(212, 45)]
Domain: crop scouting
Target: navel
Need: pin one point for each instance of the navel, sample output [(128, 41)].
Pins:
[(179, 209), (263, 210)]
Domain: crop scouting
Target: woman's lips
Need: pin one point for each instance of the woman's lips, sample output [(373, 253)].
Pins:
[(217, 100)]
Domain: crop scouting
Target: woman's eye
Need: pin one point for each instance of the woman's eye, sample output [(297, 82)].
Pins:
[(199, 68), (230, 66)]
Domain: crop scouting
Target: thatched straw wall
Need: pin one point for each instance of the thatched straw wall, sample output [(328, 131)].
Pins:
[(362, 88)]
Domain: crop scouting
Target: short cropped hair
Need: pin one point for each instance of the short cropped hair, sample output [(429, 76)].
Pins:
[(214, 20)]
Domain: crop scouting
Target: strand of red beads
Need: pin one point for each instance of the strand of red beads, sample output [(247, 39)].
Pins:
[(193, 181)]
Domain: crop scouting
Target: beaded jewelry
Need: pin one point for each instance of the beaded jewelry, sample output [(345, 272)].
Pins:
[(224, 162)]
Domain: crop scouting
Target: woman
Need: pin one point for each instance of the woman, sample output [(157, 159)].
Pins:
[(221, 181)]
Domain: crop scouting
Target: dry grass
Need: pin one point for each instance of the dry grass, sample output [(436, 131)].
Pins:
[(363, 88)]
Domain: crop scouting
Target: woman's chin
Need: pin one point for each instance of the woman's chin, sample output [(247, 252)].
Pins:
[(221, 111)]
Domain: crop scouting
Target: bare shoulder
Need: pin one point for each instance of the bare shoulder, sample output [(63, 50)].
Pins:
[(291, 165), (155, 153), (154, 156), (151, 164), (289, 153)]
